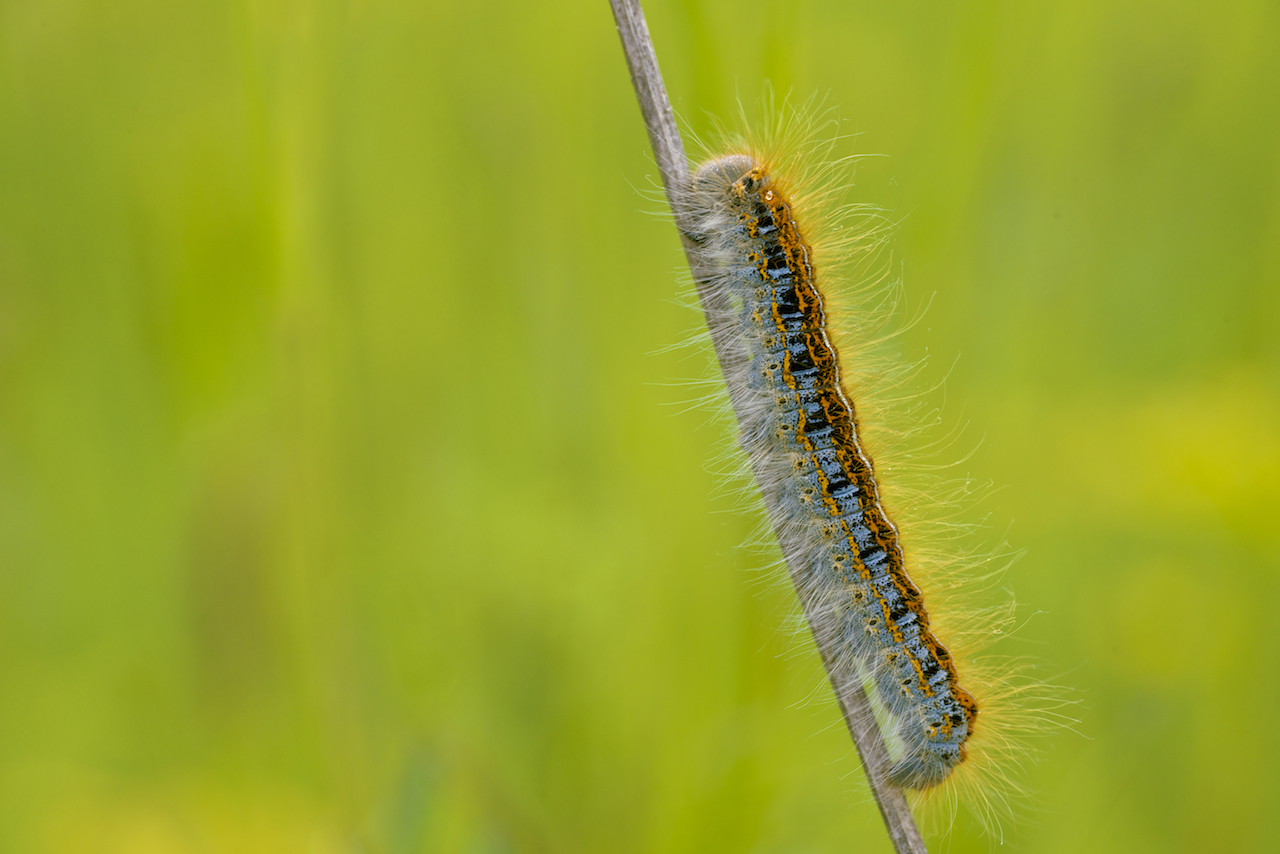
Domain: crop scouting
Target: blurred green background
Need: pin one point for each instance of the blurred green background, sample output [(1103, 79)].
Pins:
[(345, 504)]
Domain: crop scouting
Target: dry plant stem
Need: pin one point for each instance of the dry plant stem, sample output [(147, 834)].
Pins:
[(668, 149)]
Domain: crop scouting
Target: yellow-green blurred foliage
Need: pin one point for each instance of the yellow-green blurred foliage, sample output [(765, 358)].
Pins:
[(344, 505)]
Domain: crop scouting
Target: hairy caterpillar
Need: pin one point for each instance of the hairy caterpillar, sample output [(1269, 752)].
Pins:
[(802, 431), (957, 720)]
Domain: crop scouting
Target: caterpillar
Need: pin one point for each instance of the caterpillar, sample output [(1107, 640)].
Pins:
[(800, 428)]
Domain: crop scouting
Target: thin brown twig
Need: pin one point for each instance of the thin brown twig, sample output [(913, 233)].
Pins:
[(668, 149)]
